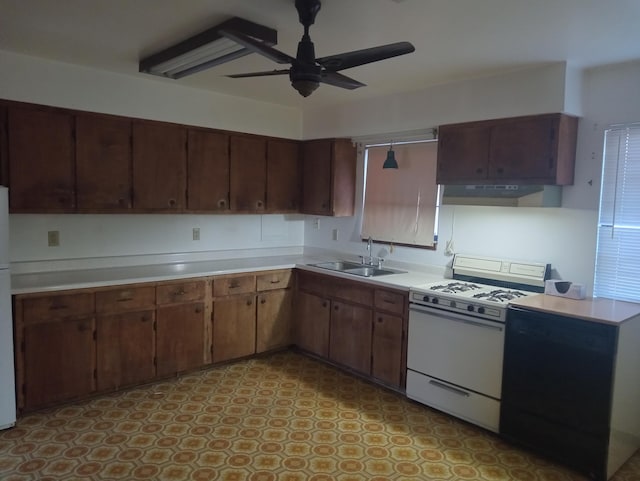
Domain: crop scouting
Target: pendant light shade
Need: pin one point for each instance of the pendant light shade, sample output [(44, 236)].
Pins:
[(390, 162)]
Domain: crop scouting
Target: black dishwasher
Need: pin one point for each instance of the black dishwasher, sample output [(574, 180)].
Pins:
[(557, 386)]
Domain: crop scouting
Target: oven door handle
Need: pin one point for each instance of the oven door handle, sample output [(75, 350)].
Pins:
[(446, 387), (440, 314)]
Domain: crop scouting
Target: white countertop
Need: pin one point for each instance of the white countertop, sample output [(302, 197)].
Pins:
[(111, 276)]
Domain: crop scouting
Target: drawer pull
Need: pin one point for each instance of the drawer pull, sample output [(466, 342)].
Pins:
[(234, 285), (275, 282), (388, 301), (446, 387), (125, 299), (179, 293)]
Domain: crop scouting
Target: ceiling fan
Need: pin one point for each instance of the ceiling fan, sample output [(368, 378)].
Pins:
[(307, 71)]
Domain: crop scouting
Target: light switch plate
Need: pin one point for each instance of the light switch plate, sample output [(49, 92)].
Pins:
[(53, 238)]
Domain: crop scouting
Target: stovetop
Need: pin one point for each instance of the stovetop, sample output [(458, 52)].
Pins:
[(453, 289)]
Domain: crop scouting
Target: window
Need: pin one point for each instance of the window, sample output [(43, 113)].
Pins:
[(618, 251), (400, 204)]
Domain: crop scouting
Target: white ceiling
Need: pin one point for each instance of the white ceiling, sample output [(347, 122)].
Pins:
[(454, 39)]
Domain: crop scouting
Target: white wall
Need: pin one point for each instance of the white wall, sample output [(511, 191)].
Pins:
[(29, 79), (565, 237)]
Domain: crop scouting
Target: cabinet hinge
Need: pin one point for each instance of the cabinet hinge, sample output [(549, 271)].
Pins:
[(155, 325), (155, 361), (95, 335), (95, 374), (22, 346), (24, 389)]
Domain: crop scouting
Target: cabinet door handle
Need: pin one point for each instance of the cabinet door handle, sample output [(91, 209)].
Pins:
[(500, 170), (172, 202), (379, 319), (222, 203), (259, 204), (335, 308), (197, 310), (479, 170), (263, 301), (324, 304), (249, 302)]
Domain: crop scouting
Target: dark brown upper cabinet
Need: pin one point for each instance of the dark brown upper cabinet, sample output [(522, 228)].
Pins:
[(159, 166), (41, 159), (283, 176), (208, 171), (248, 156), (328, 177), (103, 163), (537, 149)]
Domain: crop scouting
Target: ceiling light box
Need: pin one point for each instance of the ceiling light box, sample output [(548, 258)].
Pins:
[(206, 49)]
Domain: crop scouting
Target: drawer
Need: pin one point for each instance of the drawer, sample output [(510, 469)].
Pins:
[(228, 286), (274, 280), (40, 309), (463, 404), (180, 292), (390, 301), (125, 298)]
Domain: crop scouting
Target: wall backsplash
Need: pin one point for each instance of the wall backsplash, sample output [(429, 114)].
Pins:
[(87, 236)]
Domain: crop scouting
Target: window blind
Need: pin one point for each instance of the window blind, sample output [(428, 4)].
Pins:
[(400, 204), (617, 270)]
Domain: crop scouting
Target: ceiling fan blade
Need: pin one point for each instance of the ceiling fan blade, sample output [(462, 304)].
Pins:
[(338, 80), (259, 74), (257, 46), (346, 60)]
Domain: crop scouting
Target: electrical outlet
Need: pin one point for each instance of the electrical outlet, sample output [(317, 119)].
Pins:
[(53, 238), (196, 233), (316, 223), (335, 234)]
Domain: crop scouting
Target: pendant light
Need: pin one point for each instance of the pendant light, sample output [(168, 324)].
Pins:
[(390, 162)]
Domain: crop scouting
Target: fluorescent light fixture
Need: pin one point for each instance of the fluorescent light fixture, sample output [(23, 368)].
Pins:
[(206, 49)]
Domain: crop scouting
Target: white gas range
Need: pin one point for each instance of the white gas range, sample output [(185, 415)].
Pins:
[(456, 335)]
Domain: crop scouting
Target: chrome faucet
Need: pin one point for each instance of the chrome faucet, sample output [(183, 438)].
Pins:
[(369, 242)]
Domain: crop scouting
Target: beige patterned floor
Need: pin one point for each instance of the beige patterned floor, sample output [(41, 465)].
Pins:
[(283, 417)]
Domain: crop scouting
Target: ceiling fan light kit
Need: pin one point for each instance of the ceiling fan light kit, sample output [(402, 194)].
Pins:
[(306, 71), (207, 49)]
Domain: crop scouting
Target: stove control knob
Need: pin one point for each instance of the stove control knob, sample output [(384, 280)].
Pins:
[(452, 304), (470, 308), (425, 298), (434, 300), (480, 310)]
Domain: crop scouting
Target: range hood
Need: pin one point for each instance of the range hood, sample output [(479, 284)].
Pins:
[(503, 195)]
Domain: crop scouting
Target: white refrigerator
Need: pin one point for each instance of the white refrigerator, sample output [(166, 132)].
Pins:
[(7, 373)]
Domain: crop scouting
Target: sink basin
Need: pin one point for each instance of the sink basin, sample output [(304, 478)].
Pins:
[(357, 269)]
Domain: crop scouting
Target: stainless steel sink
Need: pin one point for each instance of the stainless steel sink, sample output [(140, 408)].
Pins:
[(357, 269)]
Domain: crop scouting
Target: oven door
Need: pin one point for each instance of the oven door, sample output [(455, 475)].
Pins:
[(461, 350)]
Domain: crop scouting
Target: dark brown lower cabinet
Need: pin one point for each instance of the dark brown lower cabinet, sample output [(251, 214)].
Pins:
[(234, 327), (273, 320), (59, 361), (386, 348), (125, 349), (313, 316), (350, 336), (179, 338)]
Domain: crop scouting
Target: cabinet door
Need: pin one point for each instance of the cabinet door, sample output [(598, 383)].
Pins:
[(316, 177), (283, 176), (59, 361), (312, 323), (159, 166), (350, 341), (179, 338), (463, 154), (343, 182), (248, 174), (103, 163), (273, 324), (524, 150), (208, 171), (234, 327), (386, 362), (41, 166), (125, 349)]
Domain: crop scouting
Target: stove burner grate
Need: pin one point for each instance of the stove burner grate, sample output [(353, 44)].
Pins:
[(499, 295), (455, 287)]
